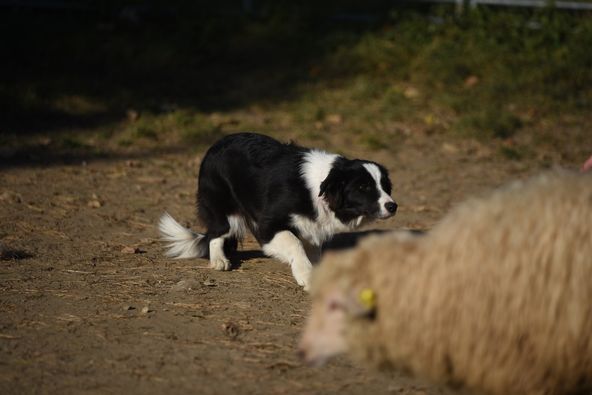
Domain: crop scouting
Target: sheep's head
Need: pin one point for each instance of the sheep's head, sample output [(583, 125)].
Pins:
[(336, 300), (325, 333), (345, 294)]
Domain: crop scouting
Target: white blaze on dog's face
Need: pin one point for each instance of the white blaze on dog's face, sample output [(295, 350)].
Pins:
[(358, 189), (386, 204), (324, 332)]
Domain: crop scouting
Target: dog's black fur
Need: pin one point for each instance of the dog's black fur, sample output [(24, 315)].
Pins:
[(260, 179), (291, 198)]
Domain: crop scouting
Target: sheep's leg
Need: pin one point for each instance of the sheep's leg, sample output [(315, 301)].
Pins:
[(286, 247)]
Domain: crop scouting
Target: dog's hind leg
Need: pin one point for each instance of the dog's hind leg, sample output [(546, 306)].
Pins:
[(218, 259), (218, 229), (218, 210), (286, 247), (227, 233)]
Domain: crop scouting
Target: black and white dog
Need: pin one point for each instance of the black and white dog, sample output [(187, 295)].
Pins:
[(291, 198)]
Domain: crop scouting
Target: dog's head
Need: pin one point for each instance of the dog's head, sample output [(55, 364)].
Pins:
[(357, 188)]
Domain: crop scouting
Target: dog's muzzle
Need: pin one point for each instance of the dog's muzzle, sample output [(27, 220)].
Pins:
[(391, 207), (387, 210)]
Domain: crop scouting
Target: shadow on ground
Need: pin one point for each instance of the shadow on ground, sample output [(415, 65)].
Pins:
[(78, 68), (344, 241)]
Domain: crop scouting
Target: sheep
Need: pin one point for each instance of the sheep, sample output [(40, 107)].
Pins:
[(497, 297)]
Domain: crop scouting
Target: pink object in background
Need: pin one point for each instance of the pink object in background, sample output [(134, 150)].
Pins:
[(587, 165)]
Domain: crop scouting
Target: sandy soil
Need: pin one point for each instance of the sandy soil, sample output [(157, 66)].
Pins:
[(89, 304)]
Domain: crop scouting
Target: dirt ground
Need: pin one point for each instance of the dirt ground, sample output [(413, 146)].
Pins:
[(89, 304)]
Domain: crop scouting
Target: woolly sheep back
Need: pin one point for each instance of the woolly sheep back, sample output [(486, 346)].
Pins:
[(498, 296)]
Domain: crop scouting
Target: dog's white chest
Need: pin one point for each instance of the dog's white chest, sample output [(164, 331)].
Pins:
[(315, 169), (324, 227)]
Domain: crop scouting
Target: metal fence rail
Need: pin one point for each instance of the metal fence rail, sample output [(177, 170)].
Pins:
[(250, 5), (565, 5)]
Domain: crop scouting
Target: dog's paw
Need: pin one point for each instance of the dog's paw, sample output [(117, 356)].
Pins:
[(220, 263), (302, 274)]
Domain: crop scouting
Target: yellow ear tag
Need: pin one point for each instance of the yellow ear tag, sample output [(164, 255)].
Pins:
[(368, 298)]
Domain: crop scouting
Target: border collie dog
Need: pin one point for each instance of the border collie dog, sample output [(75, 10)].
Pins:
[(291, 198)]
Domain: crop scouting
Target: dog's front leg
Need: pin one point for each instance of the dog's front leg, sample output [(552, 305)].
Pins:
[(286, 247)]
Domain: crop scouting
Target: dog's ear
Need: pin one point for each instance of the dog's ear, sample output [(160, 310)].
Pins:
[(332, 188)]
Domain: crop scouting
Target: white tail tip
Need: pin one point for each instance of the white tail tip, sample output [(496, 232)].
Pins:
[(183, 242)]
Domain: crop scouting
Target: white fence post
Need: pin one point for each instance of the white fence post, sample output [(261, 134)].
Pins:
[(559, 4)]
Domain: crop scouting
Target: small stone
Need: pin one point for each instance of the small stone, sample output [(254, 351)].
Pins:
[(411, 92), (94, 204), (334, 119), (146, 310), (449, 148), (10, 197), (231, 329), (210, 283), (128, 308), (130, 250), (471, 81), (185, 285)]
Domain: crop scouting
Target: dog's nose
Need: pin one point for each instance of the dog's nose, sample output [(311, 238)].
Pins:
[(391, 207)]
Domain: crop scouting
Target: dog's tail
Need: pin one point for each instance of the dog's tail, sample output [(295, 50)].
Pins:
[(183, 242)]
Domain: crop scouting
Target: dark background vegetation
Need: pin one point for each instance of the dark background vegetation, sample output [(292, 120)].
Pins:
[(107, 107), (102, 77)]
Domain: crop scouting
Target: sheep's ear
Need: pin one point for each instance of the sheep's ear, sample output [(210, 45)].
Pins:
[(362, 303), (332, 188)]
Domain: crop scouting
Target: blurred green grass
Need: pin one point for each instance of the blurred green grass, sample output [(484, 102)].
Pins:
[(189, 77)]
